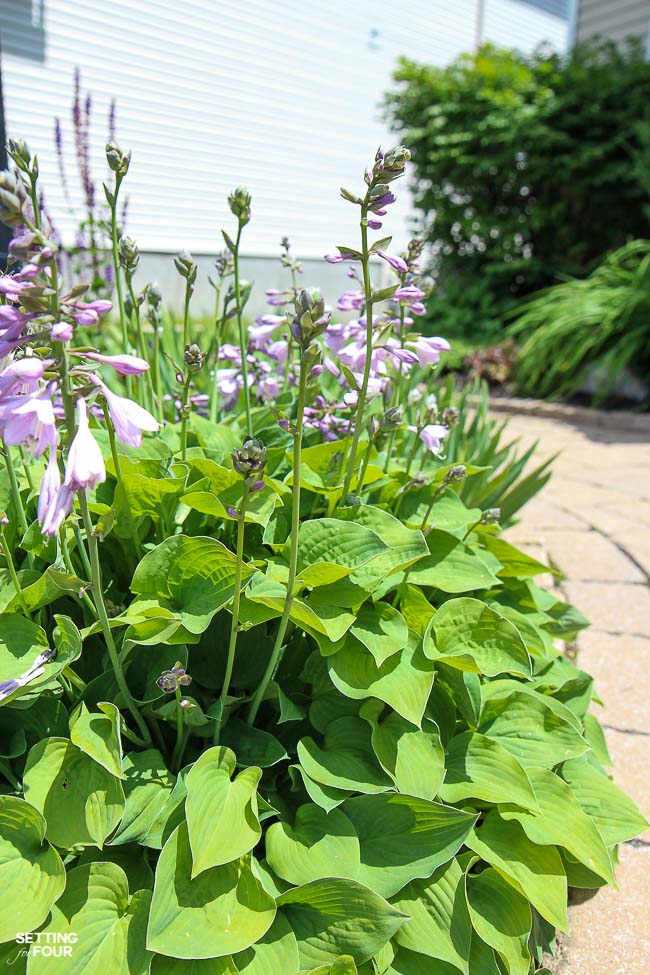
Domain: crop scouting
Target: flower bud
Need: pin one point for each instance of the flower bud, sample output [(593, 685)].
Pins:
[(239, 202), (19, 152), (311, 319), (392, 418), (490, 516), (186, 267), (129, 256), (153, 295), (12, 199), (193, 358), (390, 165), (170, 680), (450, 416), (455, 473), (118, 161), (250, 459)]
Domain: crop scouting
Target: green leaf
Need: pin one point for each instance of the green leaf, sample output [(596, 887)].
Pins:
[(194, 577), (21, 642), (405, 546), (130, 858), (501, 917), (480, 768), (82, 803), (324, 796), (451, 566), (161, 965), (535, 871), (32, 875), (252, 746), (381, 629), (532, 729), (515, 563), (330, 549), (618, 818), (276, 953), (413, 757), (469, 635), (147, 787), (220, 912), (403, 681), (110, 928), (403, 838), (346, 760), (222, 818), (408, 962), (335, 917), (439, 924), (98, 735), (319, 844), (563, 822)]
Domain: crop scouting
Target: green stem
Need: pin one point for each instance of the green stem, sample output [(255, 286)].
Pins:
[(100, 605), (6, 551), (242, 340), (234, 625), (27, 469), (15, 491), (184, 415), (177, 754), (120, 480), (118, 275), (142, 348), (366, 461), (67, 559), (186, 315), (293, 555), (398, 388), (157, 382), (214, 392), (361, 404)]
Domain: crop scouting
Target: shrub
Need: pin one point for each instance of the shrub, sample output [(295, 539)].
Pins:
[(527, 168), (601, 322), (275, 700)]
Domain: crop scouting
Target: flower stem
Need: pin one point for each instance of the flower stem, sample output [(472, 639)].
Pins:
[(142, 348), (186, 314), (293, 555), (185, 414), (177, 754), (15, 491), (363, 393), (242, 340), (118, 275), (6, 551), (120, 480), (100, 605), (234, 625), (214, 392), (398, 388)]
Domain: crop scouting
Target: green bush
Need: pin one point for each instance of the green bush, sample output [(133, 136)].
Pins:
[(526, 168), (601, 322)]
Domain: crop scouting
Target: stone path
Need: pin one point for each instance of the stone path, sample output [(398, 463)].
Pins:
[(593, 522)]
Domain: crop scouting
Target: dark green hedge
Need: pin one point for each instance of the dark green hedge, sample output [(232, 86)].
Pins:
[(527, 168)]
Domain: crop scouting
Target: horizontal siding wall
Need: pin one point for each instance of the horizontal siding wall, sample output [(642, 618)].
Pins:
[(282, 97), (615, 21)]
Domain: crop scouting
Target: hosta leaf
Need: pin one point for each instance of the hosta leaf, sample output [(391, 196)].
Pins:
[(194, 577), (480, 768), (32, 875), (501, 917), (467, 634), (563, 822), (147, 787), (161, 965), (252, 746), (81, 801), (535, 871), (220, 912), (110, 928), (403, 681), (329, 549), (439, 924), (21, 643), (413, 757), (130, 858), (407, 962), (403, 838), (319, 844), (451, 566), (335, 917), (346, 760), (618, 818), (269, 592), (529, 727), (98, 735), (222, 818), (405, 546), (515, 563), (381, 629), (274, 954), (324, 796)]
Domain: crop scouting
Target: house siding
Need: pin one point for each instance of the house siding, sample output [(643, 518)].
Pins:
[(278, 95), (614, 21)]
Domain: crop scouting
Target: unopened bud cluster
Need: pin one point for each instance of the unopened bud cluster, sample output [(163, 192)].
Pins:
[(239, 202), (311, 318), (249, 460)]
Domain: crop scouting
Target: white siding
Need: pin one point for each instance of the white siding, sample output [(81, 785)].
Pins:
[(614, 21), (280, 96)]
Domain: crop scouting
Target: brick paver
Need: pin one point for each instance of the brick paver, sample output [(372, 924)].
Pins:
[(593, 522)]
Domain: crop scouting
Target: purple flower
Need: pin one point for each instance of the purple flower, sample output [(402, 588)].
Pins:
[(428, 349), (379, 204), (61, 331), (278, 351), (22, 375), (400, 355), (432, 435), (89, 313), (268, 388), (50, 486), (351, 301), (11, 287), (125, 365), (374, 224), (128, 418), (85, 465), (264, 327), (417, 308), (339, 258), (397, 263), (29, 421), (408, 293), (275, 297)]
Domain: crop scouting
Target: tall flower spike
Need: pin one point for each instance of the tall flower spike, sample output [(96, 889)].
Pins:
[(85, 465)]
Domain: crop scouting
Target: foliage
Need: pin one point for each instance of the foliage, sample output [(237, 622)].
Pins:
[(527, 168), (275, 700), (600, 323)]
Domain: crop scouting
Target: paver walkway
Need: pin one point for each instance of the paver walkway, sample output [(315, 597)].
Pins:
[(593, 522)]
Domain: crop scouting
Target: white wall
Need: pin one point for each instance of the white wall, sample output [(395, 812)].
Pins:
[(279, 95), (615, 21)]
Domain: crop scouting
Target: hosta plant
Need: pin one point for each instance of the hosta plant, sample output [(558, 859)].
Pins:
[(275, 698)]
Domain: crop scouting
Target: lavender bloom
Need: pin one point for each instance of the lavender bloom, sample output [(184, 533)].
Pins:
[(428, 349), (125, 365), (279, 298), (264, 327), (408, 293), (61, 332), (9, 687), (417, 308), (22, 375), (339, 258), (397, 263), (58, 510), (268, 388), (128, 418), (432, 435), (50, 486), (381, 201), (85, 465), (12, 287), (375, 224), (29, 422), (278, 351), (351, 301)]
